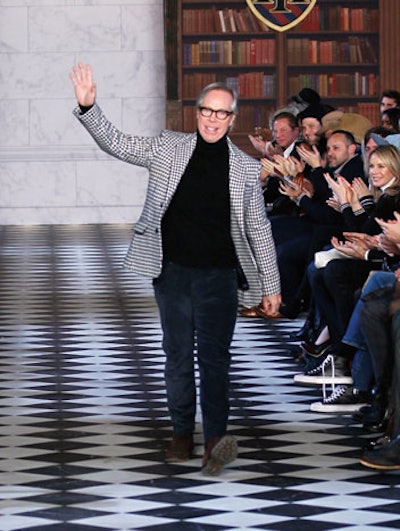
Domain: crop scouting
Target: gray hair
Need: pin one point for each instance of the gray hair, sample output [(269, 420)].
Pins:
[(219, 86)]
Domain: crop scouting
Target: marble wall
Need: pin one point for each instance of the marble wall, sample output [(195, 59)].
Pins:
[(50, 169)]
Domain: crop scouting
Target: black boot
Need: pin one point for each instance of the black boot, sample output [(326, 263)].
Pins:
[(304, 333), (374, 419)]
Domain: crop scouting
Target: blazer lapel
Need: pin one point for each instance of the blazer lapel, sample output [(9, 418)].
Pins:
[(183, 152)]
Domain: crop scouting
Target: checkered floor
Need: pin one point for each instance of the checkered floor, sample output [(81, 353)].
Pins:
[(83, 419)]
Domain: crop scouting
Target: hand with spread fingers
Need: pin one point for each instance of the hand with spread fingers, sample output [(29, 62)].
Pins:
[(258, 143), (309, 155), (289, 165), (85, 87), (359, 187), (341, 189)]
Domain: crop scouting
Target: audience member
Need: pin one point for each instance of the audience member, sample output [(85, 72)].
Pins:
[(334, 284), (383, 332), (307, 96), (391, 119), (354, 123), (389, 98)]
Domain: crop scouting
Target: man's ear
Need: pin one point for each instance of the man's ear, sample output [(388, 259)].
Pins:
[(233, 118), (353, 148)]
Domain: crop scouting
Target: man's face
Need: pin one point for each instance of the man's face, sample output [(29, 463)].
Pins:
[(387, 103), (338, 150), (370, 146), (284, 134), (211, 128), (309, 127)]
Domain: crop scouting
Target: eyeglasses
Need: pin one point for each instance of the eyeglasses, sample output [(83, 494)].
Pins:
[(220, 114)]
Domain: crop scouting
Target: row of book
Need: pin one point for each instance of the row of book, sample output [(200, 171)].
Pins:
[(328, 18), (353, 50), (226, 20), (334, 18), (250, 52), (250, 116), (336, 85), (246, 84)]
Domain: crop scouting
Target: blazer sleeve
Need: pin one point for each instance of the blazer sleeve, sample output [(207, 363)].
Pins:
[(137, 150)]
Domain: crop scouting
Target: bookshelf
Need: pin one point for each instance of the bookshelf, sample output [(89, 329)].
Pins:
[(337, 50)]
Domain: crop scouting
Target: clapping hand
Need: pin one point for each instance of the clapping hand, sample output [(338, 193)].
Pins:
[(368, 241), (354, 249), (359, 187), (85, 88), (341, 188), (310, 155), (391, 228)]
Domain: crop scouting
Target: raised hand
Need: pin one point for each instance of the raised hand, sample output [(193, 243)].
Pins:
[(391, 228), (360, 188), (341, 189), (258, 143), (85, 88), (310, 155)]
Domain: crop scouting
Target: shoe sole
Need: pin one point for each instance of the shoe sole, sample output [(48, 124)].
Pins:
[(377, 466), (316, 355), (321, 380), (223, 453), (320, 407)]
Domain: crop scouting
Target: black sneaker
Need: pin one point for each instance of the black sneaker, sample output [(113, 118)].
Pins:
[(342, 400), (328, 372)]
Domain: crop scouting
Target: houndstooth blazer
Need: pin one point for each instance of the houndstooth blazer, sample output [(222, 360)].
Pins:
[(166, 157)]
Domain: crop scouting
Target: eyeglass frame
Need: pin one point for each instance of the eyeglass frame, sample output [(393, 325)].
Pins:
[(210, 112)]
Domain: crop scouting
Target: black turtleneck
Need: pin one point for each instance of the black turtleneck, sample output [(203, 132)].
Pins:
[(196, 225)]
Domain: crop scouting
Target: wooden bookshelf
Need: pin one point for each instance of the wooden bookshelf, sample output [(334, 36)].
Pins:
[(342, 51)]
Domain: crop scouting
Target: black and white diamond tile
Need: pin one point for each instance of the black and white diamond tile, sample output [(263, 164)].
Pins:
[(83, 418)]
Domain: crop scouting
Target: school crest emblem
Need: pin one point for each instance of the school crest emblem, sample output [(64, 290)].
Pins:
[(281, 15)]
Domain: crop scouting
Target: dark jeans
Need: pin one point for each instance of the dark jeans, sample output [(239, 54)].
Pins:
[(395, 399), (333, 288), (375, 326), (198, 309)]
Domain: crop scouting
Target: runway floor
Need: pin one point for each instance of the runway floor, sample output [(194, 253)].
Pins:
[(83, 419)]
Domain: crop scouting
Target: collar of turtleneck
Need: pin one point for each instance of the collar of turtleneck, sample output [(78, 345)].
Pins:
[(210, 147)]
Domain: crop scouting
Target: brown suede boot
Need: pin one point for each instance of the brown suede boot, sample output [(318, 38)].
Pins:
[(180, 448), (219, 452)]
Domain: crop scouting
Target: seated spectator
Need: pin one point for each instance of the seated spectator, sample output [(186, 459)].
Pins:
[(333, 285), (294, 254), (391, 119), (285, 133), (311, 327), (384, 454), (354, 123), (363, 343), (306, 97), (389, 98)]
